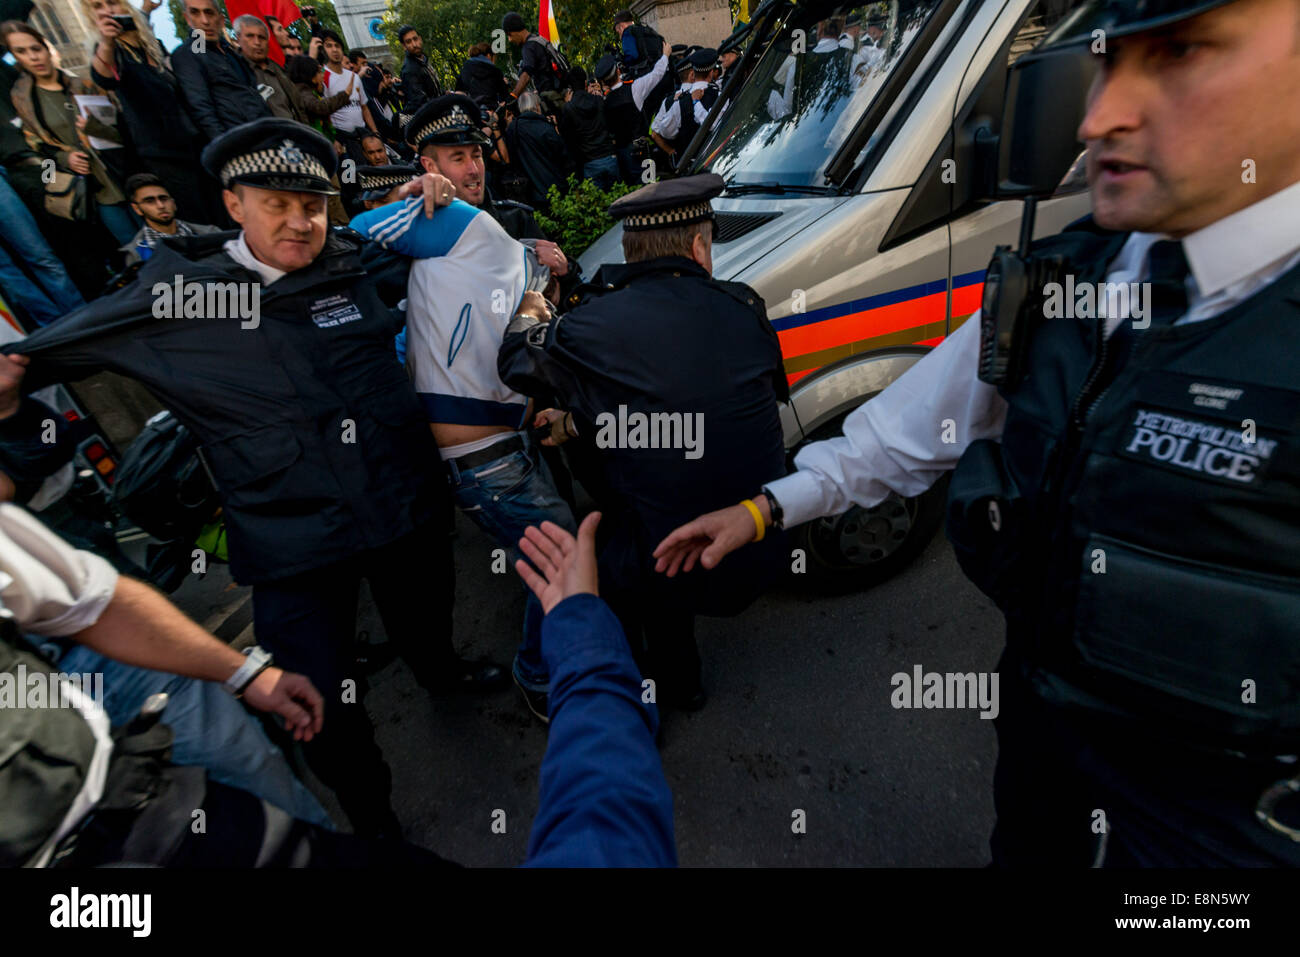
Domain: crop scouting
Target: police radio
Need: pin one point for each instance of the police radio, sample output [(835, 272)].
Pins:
[(1008, 311)]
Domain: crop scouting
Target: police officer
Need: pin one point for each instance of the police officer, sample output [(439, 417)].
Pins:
[(675, 126), (669, 379), (379, 185), (627, 104), (274, 346), (449, 139), (1131, 501)]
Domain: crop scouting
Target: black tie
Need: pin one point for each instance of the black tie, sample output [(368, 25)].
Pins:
[(1168, 278)]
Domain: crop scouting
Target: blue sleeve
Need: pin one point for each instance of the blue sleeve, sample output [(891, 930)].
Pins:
[(403, 227), (604, 800), (630, 53)]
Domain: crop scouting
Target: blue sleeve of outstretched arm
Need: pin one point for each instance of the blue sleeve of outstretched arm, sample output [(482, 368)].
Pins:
[(403, 227), (604, 799)]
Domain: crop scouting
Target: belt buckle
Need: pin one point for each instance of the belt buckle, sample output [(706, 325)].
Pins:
[(1269, 800)]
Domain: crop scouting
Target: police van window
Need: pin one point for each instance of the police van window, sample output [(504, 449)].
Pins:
[(1041, 19), (809, 89)]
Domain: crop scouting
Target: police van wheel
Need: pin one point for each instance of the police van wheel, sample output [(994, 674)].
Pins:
[(866, 546)]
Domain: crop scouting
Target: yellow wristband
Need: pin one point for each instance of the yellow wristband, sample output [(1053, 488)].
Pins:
[(758, 518)]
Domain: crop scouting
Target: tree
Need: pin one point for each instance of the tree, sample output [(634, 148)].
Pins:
[(450, 27)]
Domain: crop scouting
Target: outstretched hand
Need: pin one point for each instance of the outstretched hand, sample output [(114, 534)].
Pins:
[(567, 565), (707, 540), (436, 189)]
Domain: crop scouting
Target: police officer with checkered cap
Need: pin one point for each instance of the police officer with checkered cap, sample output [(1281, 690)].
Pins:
[(447, 135), (318, 445), (1126, 488), (659, 335), (379, 185)]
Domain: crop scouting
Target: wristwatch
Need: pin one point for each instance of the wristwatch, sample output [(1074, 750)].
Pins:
[(778, 516), (257, 660)]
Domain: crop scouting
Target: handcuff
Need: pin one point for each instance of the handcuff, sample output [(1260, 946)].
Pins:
[(257, 660)]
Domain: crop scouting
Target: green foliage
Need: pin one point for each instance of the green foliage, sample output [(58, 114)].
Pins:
[(580, 216), (450, 27)]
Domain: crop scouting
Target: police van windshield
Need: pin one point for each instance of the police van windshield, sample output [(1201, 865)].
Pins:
[(809, 89)]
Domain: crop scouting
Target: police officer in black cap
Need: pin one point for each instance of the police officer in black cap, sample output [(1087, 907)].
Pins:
[(447, 134), (668, 382), (1129, 499), (273, 344), (379, 185), (677, 125)]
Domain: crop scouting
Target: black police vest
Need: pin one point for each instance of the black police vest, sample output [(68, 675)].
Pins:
[(686, 104), (1142, 537), (622, 118)]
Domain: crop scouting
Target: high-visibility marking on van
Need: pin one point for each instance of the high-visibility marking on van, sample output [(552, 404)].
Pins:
[(916, 315)]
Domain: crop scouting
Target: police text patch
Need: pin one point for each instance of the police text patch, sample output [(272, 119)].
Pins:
[(1209, 449), (334, 311)]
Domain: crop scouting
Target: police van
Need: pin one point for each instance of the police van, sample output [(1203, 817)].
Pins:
[(861, 149)]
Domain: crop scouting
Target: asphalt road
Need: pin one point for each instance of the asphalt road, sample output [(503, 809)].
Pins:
[(799, 719)]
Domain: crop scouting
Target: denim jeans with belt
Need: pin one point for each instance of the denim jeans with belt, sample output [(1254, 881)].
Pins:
[(503, 497)]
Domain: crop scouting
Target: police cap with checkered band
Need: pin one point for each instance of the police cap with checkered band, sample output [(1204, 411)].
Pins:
[(376, 182), (668, 203), (450, 120), (272, 153)]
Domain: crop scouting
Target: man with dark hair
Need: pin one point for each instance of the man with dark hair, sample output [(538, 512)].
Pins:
[(539, 62), (627, 106), (151, 201), (374, 151), (420, 81), (582, 124), (352, 119), (326, 469), (629, 351), (218, 87)]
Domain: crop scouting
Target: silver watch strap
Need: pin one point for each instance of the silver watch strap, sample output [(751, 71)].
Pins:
[(257, 660)]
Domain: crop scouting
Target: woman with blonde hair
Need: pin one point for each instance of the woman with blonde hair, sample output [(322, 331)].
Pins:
[(129, 61)]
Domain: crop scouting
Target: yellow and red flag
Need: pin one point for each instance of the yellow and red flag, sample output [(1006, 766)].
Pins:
[(546, 22)]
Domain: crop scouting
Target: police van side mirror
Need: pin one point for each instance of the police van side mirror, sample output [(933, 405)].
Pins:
[(1037, 150)]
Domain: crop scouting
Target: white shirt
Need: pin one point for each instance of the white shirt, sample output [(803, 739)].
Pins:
[(347, 119), (237, 249), (49, 588), (668, 122), (642, 85), (894, 441)]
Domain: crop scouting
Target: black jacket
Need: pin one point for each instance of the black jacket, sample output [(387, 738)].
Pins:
[(537, 150), (418, 83), (482, 82), (152, 108), (218, 87), (316, 440), (662, 336), (582, 123)]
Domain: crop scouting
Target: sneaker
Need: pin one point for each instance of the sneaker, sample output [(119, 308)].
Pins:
[(538, 702)]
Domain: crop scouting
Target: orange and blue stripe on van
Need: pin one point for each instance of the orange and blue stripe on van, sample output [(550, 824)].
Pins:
[(912, 316)]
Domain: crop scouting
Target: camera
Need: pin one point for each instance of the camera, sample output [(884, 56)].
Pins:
[(125, 21)]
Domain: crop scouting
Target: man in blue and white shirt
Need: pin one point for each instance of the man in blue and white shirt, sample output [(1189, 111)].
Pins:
[(466, 282)]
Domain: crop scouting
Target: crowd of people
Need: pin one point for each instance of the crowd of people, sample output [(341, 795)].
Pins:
[(76, 152)]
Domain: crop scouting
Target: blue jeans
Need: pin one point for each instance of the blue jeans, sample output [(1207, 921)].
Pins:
[(603, 172), (210, 729), (52, 295), (503, 497), (120, 221)]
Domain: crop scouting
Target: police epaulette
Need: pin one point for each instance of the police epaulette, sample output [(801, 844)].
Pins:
[(743, 294)]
